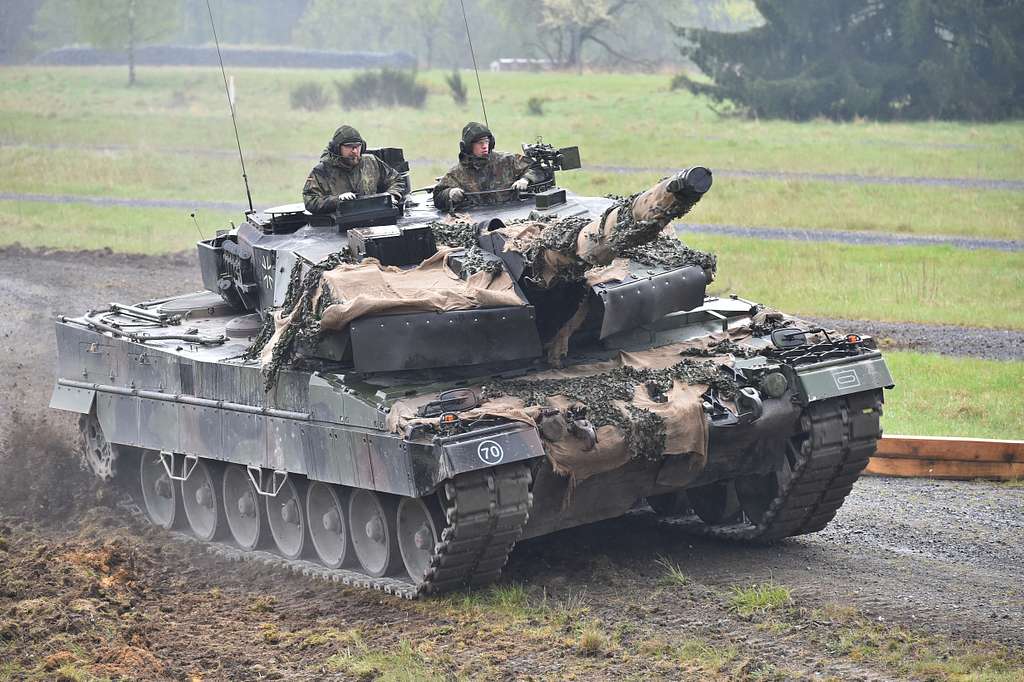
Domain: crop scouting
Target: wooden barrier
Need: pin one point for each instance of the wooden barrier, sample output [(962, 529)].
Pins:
[(953, 458)]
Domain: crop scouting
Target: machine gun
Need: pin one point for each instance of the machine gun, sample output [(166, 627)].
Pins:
[(550, 159)]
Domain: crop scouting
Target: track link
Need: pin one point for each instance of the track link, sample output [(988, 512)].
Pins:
[(485, 512), (836, 439)]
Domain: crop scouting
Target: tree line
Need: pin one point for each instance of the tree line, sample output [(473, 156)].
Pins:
[(795, 59)]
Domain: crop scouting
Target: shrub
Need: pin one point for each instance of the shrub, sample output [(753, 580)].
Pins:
[(535, 106), (309, 96), (457, 87), (384, 88)]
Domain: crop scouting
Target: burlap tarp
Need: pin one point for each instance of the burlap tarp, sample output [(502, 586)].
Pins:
[(595, 243), (686, 429), (369, 288)]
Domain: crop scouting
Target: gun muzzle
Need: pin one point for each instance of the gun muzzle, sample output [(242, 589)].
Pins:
[(693, 182)]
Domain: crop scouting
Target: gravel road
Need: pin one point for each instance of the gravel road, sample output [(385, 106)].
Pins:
[(987, 344), (941, 558), (849, 237)]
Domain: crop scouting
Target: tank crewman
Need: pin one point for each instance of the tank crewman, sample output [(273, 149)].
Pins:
[(481, 169), (346, 172)]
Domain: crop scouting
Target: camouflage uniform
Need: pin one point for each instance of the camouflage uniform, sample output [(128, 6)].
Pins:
[(332, 177), (497, 170)]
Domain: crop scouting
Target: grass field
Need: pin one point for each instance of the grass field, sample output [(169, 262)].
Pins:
[(939, 396), (840, 206), (938, 284), (619, 119)]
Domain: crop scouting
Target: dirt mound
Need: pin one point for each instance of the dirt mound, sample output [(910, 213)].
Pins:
[(42, 473), (68, 606)]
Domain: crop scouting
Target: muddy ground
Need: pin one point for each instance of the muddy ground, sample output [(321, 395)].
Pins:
[(913, 579)]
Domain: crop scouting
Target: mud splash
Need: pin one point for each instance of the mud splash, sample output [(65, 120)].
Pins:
[(43, 477)]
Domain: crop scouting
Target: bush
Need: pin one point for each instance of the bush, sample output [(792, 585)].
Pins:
[(309, 96), (457, 87), (535, 106), (384, 88)]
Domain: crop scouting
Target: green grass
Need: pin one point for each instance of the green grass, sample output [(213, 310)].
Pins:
[(900, 209), (907, 653), (935, 284), (941, 396), (674, 576), (403, 664), (759, 599), (704, 656), (619, 119), (592, 640), (131, 230)]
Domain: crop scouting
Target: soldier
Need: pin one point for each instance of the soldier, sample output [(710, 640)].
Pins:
[(481, 169), (345, 173)]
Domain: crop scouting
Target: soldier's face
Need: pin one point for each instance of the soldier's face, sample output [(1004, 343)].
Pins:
[(351, 152), (482, 147)]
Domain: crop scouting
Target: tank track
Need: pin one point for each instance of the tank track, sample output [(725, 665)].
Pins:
[(836, 439), (485, 513)]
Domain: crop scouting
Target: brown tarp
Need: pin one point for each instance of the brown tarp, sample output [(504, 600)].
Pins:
[(369, 288), (686, 430), (594, 244)]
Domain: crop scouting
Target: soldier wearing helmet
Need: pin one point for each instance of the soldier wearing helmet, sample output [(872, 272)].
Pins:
[(481, 169), (345, 172)]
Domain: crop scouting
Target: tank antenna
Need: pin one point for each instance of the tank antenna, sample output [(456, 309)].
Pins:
[(231, 106), (475, 69)]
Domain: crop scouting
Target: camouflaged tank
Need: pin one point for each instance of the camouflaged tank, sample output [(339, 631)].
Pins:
[(392, 396)]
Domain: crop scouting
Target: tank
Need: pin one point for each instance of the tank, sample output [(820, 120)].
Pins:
[(393, 396)]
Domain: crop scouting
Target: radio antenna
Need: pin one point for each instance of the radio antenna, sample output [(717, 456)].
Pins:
[(475, 69), (231, 106)]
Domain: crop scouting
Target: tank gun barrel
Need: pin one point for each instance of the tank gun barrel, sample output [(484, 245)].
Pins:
[(642, 217)]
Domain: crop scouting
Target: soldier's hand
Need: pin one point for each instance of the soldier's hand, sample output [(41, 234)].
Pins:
[(455, 195), (520, 184), (346, 196)]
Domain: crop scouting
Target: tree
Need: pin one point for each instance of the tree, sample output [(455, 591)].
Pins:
[(565, 27), (16, 17), (124, 24), (881, 59)]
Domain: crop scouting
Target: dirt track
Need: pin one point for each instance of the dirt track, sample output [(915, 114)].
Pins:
[(80, 584)]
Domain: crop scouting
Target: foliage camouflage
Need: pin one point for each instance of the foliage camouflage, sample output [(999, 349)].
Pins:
[(881, 59), (598, 393)]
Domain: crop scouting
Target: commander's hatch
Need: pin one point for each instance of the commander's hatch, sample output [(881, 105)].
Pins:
[(365, 211)]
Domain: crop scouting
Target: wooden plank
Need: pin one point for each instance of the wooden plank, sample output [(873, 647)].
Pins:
[(952, 449), (925, 468), (950, 458)]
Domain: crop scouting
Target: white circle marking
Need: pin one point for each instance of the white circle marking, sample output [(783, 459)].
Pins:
[(490, 452)]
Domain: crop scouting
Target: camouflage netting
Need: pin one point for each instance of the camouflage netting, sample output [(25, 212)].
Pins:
[(565, 250), (597, 417), (597, 396), (461, 234), (337, 291), (301, 305), (667, 251)]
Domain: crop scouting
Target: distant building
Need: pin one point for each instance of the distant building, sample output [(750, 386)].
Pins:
[(522, 64)]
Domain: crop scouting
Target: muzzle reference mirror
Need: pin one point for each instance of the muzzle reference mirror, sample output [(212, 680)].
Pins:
[(787, 337)]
